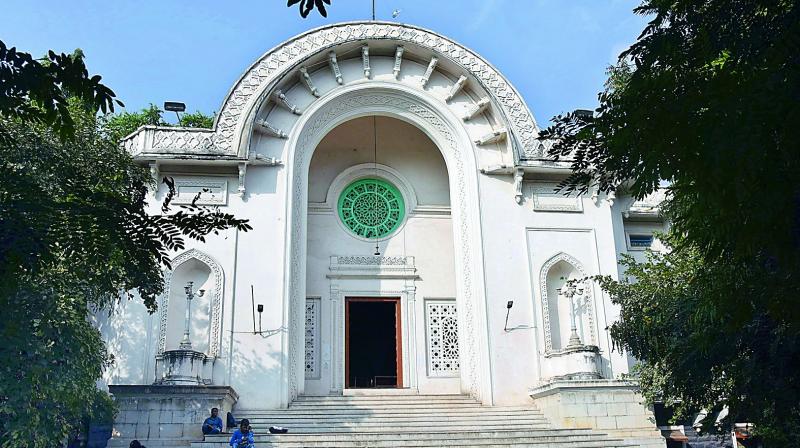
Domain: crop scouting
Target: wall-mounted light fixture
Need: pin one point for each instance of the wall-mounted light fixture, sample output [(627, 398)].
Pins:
[(508, 311)]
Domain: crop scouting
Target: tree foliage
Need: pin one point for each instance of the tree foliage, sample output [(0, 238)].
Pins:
[(121, 125), (708, 100), (700, 355), (37, 90), (710, 104), (75, 236), (306, 6)]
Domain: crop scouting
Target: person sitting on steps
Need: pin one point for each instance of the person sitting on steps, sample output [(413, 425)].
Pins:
[(243, 437), (213, 424)]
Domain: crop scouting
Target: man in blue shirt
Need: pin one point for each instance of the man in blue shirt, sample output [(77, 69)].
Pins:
[(243, 437), (213, 424)]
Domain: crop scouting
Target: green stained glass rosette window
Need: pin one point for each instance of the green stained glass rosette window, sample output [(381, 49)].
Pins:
[(371, 208)]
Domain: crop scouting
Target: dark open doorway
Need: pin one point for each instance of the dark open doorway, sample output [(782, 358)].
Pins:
[(373, 343)]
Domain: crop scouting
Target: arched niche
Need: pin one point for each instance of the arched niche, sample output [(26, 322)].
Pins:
[(556, 309), (205, 273)]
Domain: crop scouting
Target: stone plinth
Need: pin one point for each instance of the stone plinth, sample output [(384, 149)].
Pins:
[(578, 363), (166, 415), (184, 367), (611, 406)]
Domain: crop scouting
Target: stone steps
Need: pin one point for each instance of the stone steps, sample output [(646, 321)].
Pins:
[(409, 421)]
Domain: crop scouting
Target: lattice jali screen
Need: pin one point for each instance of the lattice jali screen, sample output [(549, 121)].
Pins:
[(312, 338), (371, 208), (442, 339)]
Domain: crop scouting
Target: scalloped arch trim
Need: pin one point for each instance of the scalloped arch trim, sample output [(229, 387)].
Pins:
[(273, 65)]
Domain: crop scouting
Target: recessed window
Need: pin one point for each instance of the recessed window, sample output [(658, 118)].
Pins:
[(640, 241), (371, 208)]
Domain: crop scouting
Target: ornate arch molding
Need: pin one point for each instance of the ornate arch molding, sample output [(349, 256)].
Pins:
[(234, 122), (215, 298), (546, 299), (402, 103)]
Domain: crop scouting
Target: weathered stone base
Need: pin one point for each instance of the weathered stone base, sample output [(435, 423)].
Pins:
[(610, 406), (162, 416)]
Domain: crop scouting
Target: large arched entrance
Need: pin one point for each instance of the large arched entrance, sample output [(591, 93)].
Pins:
[(381, 306), (448, 135)]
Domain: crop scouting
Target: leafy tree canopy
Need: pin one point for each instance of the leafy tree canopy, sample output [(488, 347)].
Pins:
[(121, 125), (708, 100), (37, 90), (75, 235), (306, 6)]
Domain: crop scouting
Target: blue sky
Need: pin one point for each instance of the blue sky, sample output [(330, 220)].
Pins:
[(554, 51)]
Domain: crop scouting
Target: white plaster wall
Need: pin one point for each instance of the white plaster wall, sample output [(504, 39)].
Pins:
[(255, 368), (425, 236), (400, 146), (516, 239), (517, 242)]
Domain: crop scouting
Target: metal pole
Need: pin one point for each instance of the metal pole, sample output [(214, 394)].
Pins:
[(574, 339), (373, 10), (186, 344)]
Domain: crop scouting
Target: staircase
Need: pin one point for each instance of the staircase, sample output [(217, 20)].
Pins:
[(409, 421)]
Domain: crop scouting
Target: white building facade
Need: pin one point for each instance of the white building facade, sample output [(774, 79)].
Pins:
[(394, 180)]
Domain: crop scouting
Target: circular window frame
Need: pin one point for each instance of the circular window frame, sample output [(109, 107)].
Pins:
[(386, 184)]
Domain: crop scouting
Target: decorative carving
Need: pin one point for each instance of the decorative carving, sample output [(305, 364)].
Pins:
[(587, 287), (154, 173), (281, 100), (184, 141), (371, 208), (518, 176), (649, 206), (242, 175), (442, 338), (610, 198), (269, 129), (312, 338), (546, 199), (305, 78), (262, 160), (596, 195), (477, 108), (493, 137), (398, 60), (215, 299), (431, 67), (276, 63), (456, 87), (334, 63), (212, 192), (462, 222), (373, 261), (365, 60)]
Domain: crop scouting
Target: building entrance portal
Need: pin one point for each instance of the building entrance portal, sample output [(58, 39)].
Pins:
[(373, 343)]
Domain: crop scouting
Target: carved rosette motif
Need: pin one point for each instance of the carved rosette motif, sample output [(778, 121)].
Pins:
[(215, 299), (588, 297), (275, 63), (304, 150)]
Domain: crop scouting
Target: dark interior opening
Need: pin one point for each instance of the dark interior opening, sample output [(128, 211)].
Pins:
[(372, 345)]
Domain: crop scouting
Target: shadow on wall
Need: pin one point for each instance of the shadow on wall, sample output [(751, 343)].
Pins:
[(256, 370), (128, 331)]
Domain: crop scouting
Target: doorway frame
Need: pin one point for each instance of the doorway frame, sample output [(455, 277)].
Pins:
[(398, 336)]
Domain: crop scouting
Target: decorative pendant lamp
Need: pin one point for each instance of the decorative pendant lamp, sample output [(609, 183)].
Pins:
[(375, 166)]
